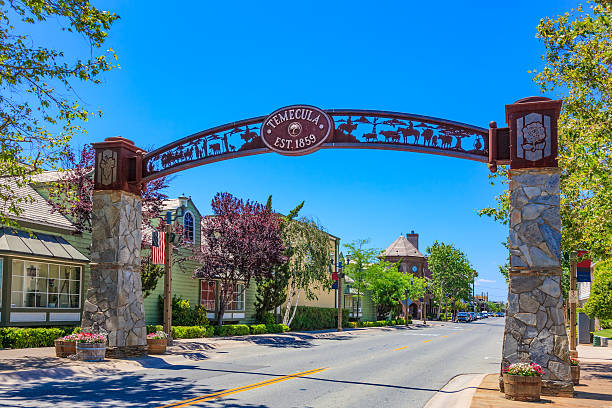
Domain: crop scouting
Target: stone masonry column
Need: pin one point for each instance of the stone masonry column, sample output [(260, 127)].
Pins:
[(535, 324), (114, 303)]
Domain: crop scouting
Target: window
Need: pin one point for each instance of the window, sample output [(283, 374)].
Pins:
[(1, 268), (37, 284), (188, 225), (237, 302), (207, 294)]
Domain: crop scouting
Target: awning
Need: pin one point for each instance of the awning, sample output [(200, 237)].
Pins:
[(37, 244)]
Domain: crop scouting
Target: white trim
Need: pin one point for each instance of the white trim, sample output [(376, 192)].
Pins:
[(238, 315), (64, 317), (193, 225), (210, 315), (227, 315), (28, 317)]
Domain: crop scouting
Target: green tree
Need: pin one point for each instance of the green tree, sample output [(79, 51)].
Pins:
[(452, 273), (39, 109), (361, 259), (577, 68), (599, 304), (309, 254), (272, 292)]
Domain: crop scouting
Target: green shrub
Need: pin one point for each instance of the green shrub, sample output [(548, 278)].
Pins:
[(259, 329), (317, 318), (277, 328), (352, 325), (152, 328), (234, 330), (183, 314), (16, 337), (400, 321), (191, 332)]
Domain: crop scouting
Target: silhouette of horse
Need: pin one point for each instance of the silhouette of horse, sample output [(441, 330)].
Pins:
[(348, 127), (407, 131), (427, 134), (247, 136), (390, 134)]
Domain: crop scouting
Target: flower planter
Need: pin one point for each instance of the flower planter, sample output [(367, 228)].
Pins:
[(64, 348), (90, 351), (157, 346), (575, 374), (522, 388)]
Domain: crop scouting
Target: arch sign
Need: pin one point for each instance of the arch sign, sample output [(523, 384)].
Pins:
[(535, 327)]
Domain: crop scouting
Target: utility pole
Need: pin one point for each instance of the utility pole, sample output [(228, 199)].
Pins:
[(573, 299), (168, 283), (340, 277)]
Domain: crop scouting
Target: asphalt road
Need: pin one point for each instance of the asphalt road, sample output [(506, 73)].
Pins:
[(390, 367)]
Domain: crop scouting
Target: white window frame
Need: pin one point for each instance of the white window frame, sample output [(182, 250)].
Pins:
[(24, 290), (193, 231), (238, 301)]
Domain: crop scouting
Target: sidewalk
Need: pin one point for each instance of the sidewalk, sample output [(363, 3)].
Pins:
[(594, 390)]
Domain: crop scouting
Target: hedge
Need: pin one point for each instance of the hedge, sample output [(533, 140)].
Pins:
[(277, 328), (17, 337), (233, 330), (185, 332), (317, 318), (378, 323), (259, 329)]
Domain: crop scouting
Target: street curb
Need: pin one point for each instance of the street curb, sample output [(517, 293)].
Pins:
[(457, 393)]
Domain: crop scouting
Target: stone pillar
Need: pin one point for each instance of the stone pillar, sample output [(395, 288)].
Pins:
[(114, 303), (535, 324)]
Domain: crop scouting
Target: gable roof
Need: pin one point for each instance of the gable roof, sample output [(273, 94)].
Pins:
[(38, 211), (402, 247)]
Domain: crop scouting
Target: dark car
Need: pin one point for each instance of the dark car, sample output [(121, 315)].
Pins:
[(463, 317), (472, 315)]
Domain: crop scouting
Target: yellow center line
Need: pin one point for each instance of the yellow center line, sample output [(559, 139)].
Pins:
[(220, 394), (401, 348), (427, 341), (454, 333), (443, 337)]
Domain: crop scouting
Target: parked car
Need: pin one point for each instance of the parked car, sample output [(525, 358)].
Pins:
[(463, 317), (472, 316), (483, 315)]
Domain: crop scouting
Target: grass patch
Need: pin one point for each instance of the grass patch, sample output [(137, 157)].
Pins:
[(604, 333)]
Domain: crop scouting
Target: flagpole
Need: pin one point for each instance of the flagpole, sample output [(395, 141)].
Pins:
[(168, 282)]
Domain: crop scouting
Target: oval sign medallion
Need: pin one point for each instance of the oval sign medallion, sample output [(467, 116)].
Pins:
[(296, 129)]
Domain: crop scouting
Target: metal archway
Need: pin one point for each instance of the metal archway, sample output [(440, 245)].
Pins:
[(354, 129)]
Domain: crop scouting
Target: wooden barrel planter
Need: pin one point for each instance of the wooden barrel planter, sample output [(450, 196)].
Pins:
[(575, 374), (90, 351), (64, 348), (157, 346), (522, 388)]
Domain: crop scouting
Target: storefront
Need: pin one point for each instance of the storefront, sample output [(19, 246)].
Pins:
[(42, 277)]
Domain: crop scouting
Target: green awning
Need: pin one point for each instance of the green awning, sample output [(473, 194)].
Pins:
[(37, 244)]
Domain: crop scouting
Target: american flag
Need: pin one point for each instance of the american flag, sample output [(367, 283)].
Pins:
[(158, 243)]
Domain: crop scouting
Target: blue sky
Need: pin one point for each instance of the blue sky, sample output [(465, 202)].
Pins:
[(186, 67)]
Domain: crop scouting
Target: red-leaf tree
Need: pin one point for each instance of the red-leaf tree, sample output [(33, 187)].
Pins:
[(240, 241)]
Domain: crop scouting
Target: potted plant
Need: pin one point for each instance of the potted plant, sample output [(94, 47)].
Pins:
[(575, 369), (157, 342), (65, 346), (90, 346), (523, 381)]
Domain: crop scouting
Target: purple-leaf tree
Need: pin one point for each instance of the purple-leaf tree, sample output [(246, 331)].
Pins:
[(240, 241), (71, 195)]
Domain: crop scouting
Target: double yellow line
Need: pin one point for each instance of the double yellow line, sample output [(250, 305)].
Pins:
[(224, 393)]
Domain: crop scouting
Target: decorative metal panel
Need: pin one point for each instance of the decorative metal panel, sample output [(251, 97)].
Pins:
[(358, 129)]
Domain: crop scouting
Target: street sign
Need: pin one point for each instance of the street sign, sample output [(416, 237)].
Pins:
[(334, 285), (573, 296), (335, 276)]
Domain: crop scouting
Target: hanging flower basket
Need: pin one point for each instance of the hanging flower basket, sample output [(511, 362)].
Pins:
[(90, 347), (157, 342), (575, 370), (523, 382)]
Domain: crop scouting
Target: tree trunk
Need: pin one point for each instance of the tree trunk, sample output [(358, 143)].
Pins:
[(297, 299), (221, 311), (288, 307)]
